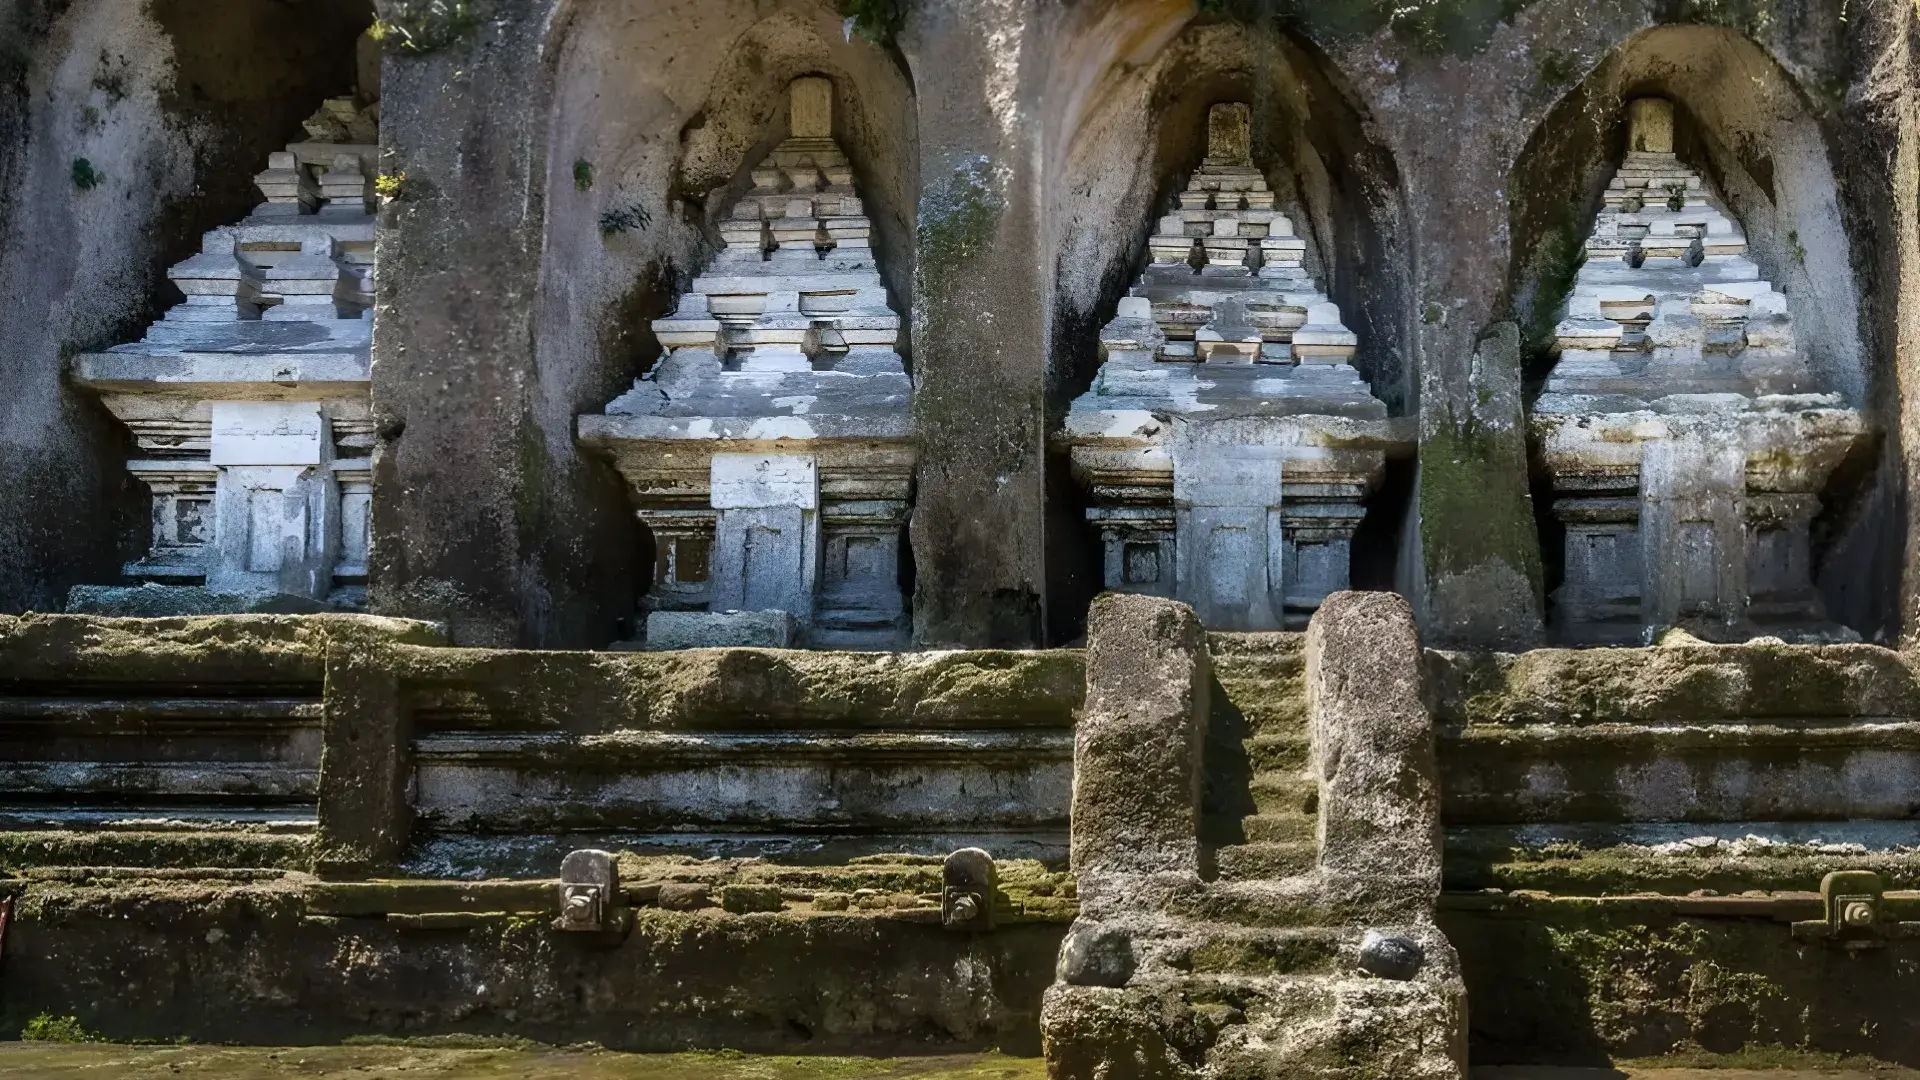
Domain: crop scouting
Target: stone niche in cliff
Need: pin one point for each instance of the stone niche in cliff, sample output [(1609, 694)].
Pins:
[(1685, 443), (770, 452), (248, 402), (1228, 444)]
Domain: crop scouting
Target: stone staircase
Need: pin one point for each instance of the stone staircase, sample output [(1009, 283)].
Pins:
[(1252, 938), (1259, 803)]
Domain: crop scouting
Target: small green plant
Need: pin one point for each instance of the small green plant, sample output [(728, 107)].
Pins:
[(1433, 314), (85, 176), (1793, 240), (56, 1029), (878, 21), (583, 174), (390, 185), (621, 219), (421, 26)]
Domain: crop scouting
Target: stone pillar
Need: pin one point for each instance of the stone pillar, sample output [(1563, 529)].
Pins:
[(1480, 572), (365, 763), (276, 503), (484, 513), (1136, 752), (980, 325), (1693, 529), (1373, 751), (1136, 814), (1227, 501)]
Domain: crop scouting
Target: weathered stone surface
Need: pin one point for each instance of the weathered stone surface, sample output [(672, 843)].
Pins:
[(241, 649), (1684, 432), (1279, 967), (745, 899), (1137, 745), (1226, 397), (366, 765), (115, 949), (152, 601), (782, 366), (721, 629), (113, 168), (1379, 817)]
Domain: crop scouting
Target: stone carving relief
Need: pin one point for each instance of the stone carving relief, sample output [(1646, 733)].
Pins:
[(1685, 441), (770, 451), (1227, 443)]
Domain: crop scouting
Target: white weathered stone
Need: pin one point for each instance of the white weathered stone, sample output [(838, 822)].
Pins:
[(1192, 424), (721, 630), (1685, 461), (770, 452), (249, 401)]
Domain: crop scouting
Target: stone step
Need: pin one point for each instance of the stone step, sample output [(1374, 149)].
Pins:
[(1283, 793), (1279, 752), (1266, 860), (1277, 828), (1266, 953), (1306, 899)]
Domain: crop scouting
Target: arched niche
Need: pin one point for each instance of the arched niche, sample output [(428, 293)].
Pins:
[(1745, 131), (1127, 119), (126, 132), (1740, 119), (656, 119), (1133, 127), (668, 114)]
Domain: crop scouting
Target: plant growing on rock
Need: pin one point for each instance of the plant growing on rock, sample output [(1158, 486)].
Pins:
[(421, 26)]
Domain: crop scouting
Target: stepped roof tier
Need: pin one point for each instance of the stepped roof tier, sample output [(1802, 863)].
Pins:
[(789, 334), (1667, 301)]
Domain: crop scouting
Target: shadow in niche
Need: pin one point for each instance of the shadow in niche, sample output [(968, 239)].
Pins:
[(1226, 797)]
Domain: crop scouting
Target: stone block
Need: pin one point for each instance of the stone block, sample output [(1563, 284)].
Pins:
[(153, 601), (684, 896), (721, 629), (268, 433), (1136, 789), (1650, 125), (753, 481), (1373, 747), (810, 111), (1230, 134), (747, 899), (365, 764)]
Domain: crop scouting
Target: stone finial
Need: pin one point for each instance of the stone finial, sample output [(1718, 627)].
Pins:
[(1650, 125), (1230, 134), (810, 108)]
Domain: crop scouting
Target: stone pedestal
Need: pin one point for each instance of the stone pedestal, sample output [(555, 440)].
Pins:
[(1679, 429), (771, 452), (1227, 443)]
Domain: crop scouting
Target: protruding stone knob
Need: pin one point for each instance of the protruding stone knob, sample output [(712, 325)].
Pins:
[(1391, 956)]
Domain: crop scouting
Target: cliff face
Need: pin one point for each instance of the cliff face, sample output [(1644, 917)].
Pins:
[(564, 165)]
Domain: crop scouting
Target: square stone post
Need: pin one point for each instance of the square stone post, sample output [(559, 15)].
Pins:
[(366, 759), (1136, 815), (982, 285)]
